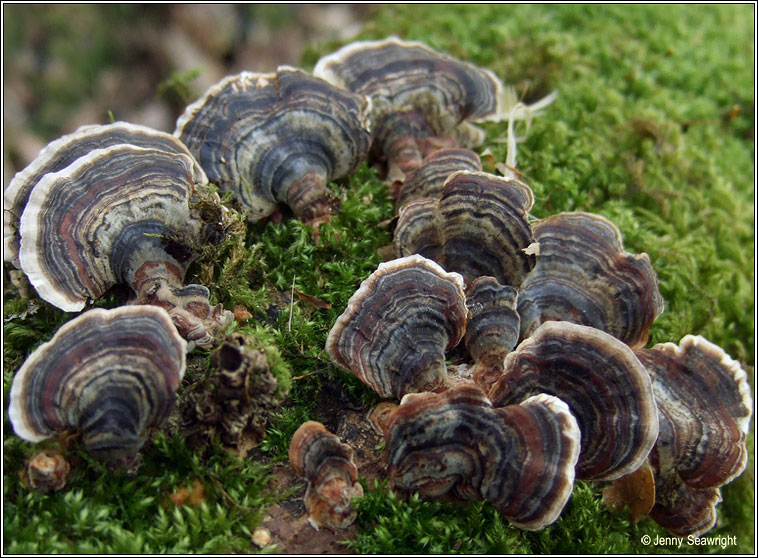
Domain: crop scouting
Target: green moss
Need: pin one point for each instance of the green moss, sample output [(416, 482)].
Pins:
[(104, 513)]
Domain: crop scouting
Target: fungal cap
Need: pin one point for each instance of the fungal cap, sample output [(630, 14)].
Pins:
[(478, 227), (603, 383), (94, 223), (397, 326), (327, 465), (60, 153), (704, 399), (427, 180), (493, 330), (520, 458), (48, 471), (552, 471), (398, 74), (111, 374), (277, 137), (583, 275), (635, 491), (689, 512)]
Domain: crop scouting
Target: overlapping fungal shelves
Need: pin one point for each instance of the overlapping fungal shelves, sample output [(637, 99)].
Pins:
[(123, 214), (420, 98), (548, 318)]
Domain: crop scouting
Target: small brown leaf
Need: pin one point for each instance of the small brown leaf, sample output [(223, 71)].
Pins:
[(317, 302), (241, 314)]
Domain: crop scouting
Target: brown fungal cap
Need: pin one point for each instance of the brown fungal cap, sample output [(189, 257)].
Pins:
[(48, 471), (683, 510), (123, 215), (583, 275), (603, 383), (416, 94), (479, 227), (427, 180), (61, 153), (520, 458), (397, 326), (327, 465), (704, 405), (704, 408), (109, 374), (277, 138), (493, 329)]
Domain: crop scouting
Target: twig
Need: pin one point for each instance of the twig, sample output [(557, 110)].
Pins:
[(292, 304), (224, 493)]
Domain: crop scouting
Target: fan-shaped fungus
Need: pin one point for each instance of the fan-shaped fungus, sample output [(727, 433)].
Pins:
[(603, 383), (427, 180), (493, 329), (520, 458), (584, 276), (704, 409), (418, 96), (124, 215), (327, 465), (109, 374), (60, 153), (277, 138), (397, 326), (478, 227)]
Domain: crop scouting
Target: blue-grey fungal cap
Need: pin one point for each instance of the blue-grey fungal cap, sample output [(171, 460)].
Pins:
[(397, 326), (478, 227), (398, 75), (279, 137), (427, 180), (109, 374), (493, 328), (123, 215), (420, 98)]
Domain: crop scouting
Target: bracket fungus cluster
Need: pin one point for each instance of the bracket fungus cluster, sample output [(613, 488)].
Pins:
[(327, 464), (117, 204), (109, 375), (553, 315), (279, 137), (555, 308)]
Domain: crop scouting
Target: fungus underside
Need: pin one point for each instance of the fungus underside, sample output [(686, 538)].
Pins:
[(652, 129)]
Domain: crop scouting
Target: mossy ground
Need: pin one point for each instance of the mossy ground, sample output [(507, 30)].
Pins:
[(653, 128)]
